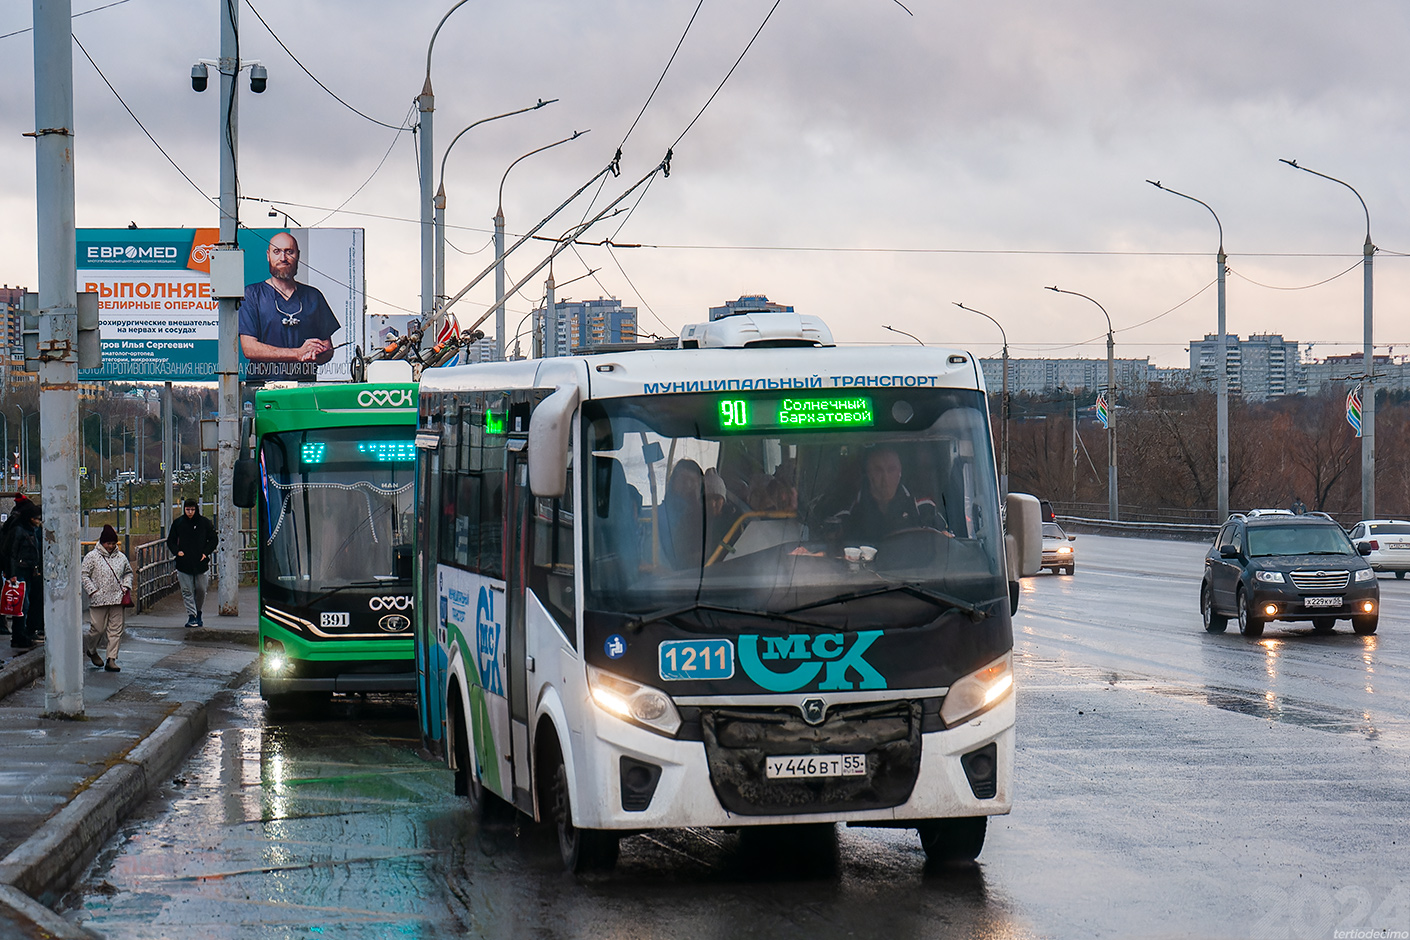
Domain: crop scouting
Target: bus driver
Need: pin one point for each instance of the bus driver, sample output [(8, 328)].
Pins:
[(884, 505)]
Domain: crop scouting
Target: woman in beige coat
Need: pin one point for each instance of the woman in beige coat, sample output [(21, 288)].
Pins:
[(106, 575)]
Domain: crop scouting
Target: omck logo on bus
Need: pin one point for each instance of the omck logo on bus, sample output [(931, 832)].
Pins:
[(788, 663), (400, 602), (386, 398), (132, 252)]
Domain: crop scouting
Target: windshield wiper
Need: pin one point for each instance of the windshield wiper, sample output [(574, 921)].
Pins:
[(669, 612), (950, 601)]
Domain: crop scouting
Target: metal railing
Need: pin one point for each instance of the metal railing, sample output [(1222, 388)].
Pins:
[(154, 569), (1182, 531)]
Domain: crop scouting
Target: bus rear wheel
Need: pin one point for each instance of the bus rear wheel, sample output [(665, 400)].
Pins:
[(487, 806), (582, 850), (953, 840)]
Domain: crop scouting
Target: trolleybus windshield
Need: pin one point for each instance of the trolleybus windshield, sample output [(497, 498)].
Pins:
[(827, 505), (336, 510)]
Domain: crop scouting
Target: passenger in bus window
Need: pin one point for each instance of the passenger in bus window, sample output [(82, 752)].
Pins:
[(884, 505), (682, 517), (720, 512)]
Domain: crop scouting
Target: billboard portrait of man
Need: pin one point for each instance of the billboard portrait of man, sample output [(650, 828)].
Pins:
[(286, 327)]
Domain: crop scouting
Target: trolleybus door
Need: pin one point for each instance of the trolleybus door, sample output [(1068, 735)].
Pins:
[(428, 621), (519, 505)]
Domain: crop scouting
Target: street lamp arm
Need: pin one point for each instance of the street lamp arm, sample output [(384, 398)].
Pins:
[(902, 332), (1295, 166), (1176, 192), (432, 44), (533, 107), (575, 136), (1085, 297), (987, 317)]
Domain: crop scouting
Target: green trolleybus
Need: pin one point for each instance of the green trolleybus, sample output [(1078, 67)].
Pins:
[(758, 579), (332, 479)]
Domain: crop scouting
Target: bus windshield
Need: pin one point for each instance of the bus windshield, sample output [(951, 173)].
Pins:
[(838, 503), (336, 509)]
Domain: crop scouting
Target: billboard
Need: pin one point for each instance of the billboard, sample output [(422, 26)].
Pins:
[(158, 321)]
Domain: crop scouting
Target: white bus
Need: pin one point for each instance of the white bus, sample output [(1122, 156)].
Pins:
[(757, 579)]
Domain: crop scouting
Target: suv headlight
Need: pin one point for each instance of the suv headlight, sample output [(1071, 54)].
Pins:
[(1274, 577), (1366, 574), (978, 692), (633, 702)]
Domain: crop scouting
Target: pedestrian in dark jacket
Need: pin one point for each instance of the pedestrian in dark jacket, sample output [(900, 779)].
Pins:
[(23, 554), (191, 540)]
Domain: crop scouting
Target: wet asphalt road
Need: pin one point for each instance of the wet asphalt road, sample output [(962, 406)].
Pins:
[(1170, 783)]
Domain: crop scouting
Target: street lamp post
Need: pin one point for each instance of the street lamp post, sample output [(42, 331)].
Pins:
[(499, 241), (426, 105), (1368, 400), (1222, 369), (439, 205), (1003, 403), (1111, 405)]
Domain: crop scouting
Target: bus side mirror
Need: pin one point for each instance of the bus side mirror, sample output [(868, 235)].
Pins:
[(244, 489), (1025, 535), (549, 428)]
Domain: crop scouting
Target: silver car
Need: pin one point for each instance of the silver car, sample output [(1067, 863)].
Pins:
[(1058, 553), (1389, 540)]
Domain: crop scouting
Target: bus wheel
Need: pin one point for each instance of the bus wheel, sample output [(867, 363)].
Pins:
[(953, 840), (486, 805), (582, 850)]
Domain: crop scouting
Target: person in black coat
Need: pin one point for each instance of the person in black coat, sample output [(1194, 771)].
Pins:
[(22, 551), (191, 540)]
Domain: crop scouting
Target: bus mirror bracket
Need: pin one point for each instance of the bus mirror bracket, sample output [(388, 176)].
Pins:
[(549, 440), (244, 489)]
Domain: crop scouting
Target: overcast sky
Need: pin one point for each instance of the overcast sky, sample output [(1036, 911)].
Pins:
[(863, 164)]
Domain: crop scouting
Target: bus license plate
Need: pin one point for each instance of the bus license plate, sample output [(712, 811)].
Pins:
[(816, 765), (697, 659), (1322, 601)]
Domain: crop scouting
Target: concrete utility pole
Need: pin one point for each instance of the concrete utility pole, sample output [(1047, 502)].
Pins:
[(426, 105), (228, 360), (58, 347), (168, 456)]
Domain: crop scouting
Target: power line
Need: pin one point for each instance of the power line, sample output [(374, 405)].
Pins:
[(375, 171), (138, 120), (404, 125), (718, 88), (75, 16), (1302, 287), (655, 87)]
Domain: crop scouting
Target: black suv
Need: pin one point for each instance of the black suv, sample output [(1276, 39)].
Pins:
[(1270, 564)]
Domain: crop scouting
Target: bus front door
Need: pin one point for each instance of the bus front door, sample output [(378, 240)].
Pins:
[(520, 505)]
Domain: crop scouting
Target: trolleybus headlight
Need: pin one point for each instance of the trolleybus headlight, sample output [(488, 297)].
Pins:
[(641, 704), (978, 692), (275, 661)]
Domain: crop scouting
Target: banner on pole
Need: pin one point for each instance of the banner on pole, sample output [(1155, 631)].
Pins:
[(1103, 415), (1353, 409)]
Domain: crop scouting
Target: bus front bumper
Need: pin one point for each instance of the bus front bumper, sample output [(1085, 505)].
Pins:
[(684, 795)]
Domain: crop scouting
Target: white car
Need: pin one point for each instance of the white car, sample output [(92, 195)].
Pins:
[(1058, 553), (1389, 540)]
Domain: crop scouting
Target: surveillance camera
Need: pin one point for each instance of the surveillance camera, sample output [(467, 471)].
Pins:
[(259, 76), (199, 74)]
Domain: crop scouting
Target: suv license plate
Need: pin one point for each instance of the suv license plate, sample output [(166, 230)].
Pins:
[(1322, 601), (816, 765)]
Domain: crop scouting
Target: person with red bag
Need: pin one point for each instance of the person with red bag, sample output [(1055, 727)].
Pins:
[(21, 553), (107, 579)]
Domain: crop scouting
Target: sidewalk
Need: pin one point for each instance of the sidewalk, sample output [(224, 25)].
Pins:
[(65, 786)]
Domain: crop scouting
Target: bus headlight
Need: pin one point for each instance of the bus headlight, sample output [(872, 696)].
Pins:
[(637, 703), (275, 661), (978, 692)]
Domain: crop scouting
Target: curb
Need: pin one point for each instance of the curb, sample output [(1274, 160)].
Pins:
[(21, 671), (47, 863)]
